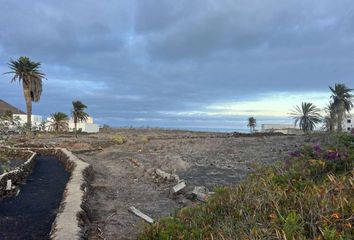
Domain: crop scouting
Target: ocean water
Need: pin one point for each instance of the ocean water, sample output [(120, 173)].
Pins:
[(224, 130)]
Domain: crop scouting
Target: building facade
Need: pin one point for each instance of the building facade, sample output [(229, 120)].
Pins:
[(87, 126), (35, 119), (348, 124)]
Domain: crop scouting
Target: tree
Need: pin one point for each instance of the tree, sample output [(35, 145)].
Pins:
[(306, 116), (331, 118), (343, 102), (8, 116), (9, 122), (252, 124), (29, 74), (59, 122), (78, 114), (42, 126)]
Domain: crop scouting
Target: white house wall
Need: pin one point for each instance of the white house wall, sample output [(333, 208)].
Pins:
[(348, 124), (85, 127), (35, 119)]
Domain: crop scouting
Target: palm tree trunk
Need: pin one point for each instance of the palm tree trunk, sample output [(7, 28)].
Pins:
[(75, 123), (340, 116), (28, 99), (331, 122)]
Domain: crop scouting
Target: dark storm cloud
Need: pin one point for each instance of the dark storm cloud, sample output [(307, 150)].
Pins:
[(144, 59)]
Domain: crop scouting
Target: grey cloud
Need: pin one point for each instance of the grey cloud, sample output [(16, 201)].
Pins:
[(138, 59)]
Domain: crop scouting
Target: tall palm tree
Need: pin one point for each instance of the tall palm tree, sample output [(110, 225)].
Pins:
[(29, 74), (252, 124), (78, 114), (343, 102), (307, 116), (331, 118), (59, 122)]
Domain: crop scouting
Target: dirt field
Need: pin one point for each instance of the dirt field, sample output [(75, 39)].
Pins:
[(125, 174)]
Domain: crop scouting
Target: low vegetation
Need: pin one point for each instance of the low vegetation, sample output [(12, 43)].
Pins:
[(310, 196), (119, 139)]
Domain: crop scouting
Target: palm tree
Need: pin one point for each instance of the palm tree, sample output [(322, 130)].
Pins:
[(331, 118), (59, 122), (343, 102), (78, 114), (29, 74), (252, 124), (8, 115), (307, 116), (42, 126)]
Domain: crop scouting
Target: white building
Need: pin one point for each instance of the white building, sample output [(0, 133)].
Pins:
[(281, 128), (348, 124), (87, 126), (36, 119)]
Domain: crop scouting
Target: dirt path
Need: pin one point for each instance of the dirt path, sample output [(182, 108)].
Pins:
[(118, 185)]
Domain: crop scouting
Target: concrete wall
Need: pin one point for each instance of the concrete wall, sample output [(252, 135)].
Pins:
[(281, 128), (17, 175), (85, 127), (276, 126), (348, 124)]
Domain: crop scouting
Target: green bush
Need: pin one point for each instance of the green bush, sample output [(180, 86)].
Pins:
[(345, 139), (118, 139)]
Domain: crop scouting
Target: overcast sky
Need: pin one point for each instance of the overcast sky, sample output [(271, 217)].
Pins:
[(180, 63)]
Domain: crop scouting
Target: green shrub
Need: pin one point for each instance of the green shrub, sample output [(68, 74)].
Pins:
[(342, 139), (294, 226), (118, 139)]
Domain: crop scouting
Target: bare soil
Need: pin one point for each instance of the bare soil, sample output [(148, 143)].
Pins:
[(124, 174)]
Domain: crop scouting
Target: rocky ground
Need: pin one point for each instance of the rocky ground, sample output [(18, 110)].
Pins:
[(125, 174), (9, 160)]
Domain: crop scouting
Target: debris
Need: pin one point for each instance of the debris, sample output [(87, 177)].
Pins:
[(201, 193), (115, 213), (141, 215), (8, 185), (179, 187), (18, 192), (166, 176), (100, 233), (134, 162)]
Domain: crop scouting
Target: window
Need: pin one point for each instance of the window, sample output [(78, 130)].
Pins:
[(348, 128), (349, 121)]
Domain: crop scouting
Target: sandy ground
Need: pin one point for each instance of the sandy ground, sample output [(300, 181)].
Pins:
[(124, 174)]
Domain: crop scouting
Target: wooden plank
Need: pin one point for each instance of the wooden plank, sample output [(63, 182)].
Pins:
[(141, 215), (179, 187), (8, 185)]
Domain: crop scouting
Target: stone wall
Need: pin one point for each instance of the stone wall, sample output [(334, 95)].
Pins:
[(17, 176)]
